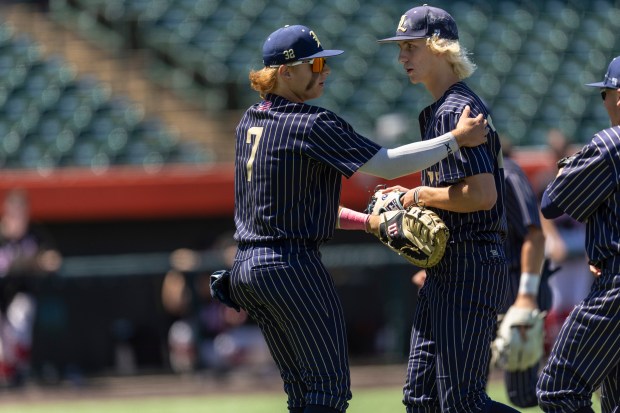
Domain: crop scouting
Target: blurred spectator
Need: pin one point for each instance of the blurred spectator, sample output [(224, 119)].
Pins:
[(558, 146), (206, 334), (24, 255)]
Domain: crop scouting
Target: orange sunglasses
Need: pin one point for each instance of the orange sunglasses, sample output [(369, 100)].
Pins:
[(318, 63)]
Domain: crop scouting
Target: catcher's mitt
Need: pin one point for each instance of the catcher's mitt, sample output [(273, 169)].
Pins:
[(220, 288), (418, 234), (380, 202), (519, 342)]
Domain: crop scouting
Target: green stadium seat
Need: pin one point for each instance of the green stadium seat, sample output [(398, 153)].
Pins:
[(84, 152), (32, 155), (201, 8), (12, 73), (11, 142), (347, 7), (116, 141), (91, 5), (299, 8), (6, 33), (190, 153)]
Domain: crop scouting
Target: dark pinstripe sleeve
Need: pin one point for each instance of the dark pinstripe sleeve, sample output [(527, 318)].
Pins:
[(467, 161), (587, 190), (440, 117), (587, 180), (334, 142), (522, 197), (521, 211)]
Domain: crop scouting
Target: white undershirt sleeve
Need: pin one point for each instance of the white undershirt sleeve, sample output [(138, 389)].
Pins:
[(410, 158)]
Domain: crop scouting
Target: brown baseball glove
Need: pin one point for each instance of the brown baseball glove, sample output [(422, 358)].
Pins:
[(418, 234)]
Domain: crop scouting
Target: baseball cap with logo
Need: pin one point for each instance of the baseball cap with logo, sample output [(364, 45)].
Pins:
[(293, 43), (422, 22), (612, 77)]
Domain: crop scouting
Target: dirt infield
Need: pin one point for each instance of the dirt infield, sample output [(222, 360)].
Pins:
[(162, 385)]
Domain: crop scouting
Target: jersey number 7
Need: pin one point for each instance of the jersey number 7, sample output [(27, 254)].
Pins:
[(255, 132)]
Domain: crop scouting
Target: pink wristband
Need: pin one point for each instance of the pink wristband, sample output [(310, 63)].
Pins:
[(349, 219)]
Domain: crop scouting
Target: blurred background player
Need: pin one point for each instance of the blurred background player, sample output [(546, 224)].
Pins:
[(25, 254), (585, 354), (525, 252), (457, 308)]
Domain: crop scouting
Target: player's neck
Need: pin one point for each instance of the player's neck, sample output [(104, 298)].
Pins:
[(287, 94), (442, 81)]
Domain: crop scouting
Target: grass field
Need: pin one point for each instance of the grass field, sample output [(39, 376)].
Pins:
[(385, 400)]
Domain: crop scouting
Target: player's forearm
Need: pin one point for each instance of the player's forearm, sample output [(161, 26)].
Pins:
[(455, 198), (533, 251), (532, 257), (410, 158), (352, 220), (473, 194)]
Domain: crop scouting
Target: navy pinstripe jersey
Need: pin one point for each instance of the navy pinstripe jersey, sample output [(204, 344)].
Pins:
[(587, 190), (289, 162), (521, 211), (441, 117)]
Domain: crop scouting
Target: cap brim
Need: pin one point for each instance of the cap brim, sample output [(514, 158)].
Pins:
[(324, 53), (597, 84), (400, 39)]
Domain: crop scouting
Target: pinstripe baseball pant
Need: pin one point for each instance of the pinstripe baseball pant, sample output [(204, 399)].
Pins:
[(292, 297), (454, 322), (586, 353)]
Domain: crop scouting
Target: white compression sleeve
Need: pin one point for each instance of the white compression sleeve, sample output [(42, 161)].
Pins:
[(410, 158)]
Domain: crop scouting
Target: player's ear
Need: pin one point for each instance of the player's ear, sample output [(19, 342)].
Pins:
[(285, 71)]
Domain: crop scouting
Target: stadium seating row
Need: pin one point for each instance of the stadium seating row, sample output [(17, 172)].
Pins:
[(50, 117), (533, 55)]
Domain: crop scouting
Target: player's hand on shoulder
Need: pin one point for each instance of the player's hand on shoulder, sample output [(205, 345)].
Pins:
[(470, 131)]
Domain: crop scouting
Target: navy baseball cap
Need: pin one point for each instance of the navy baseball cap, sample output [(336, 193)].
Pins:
[(422, 22), (612, 77), (293, 43)]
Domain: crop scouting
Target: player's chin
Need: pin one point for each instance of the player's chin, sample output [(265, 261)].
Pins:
[(318, 90), (412, 77)]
